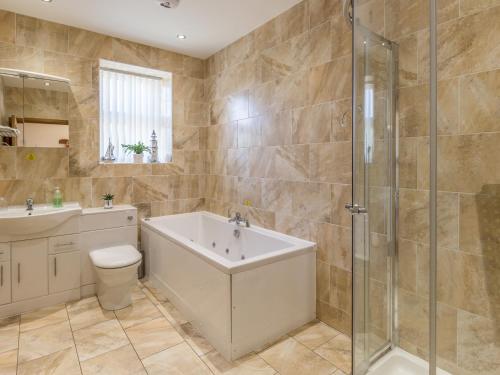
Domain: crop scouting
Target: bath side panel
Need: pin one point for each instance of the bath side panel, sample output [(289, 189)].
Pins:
[(199, 290), (272, 300)]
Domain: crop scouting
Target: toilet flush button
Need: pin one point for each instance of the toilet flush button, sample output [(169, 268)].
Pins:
[(130, 218)]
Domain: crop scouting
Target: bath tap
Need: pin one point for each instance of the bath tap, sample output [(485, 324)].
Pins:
[(29, 204), (238, 219)]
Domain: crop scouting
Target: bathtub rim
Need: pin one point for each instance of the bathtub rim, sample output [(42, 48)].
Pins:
[(299, 247)]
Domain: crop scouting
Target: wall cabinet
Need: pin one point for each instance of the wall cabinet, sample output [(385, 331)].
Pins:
[(64, 272), (29, 270)]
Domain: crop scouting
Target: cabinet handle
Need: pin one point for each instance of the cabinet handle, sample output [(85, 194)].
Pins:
[(55, 266), (1, 275), (64, 244), (19, 273)]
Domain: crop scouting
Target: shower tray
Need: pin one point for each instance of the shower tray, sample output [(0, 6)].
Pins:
[(400, 362)]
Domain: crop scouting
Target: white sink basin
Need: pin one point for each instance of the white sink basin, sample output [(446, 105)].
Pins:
[(18, 221)]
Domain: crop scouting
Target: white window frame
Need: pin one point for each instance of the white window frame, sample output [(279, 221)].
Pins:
[(165, 141)]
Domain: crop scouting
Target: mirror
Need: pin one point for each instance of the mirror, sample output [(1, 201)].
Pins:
[(37, 106)]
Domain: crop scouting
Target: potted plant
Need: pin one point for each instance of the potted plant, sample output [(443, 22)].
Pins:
[(138, 149), (108, 200)]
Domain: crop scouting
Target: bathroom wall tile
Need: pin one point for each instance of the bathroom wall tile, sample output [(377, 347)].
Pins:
[(88, 44), (407, 252), (372, 14), (8, 362), (77, 70), (331, 162), (405, 17), (41, 162), (292, 225), (312, 201), (121, 187), (249, 132), (480, 100), (7, 163), (196, 113), (341, 37), (277, 196), (84, 103), (186, 138), (240, 50), (342, 120), (294, 21), (408, 60), (168, 61), (338, 352), (321, 48), (187, 88), (34, 32), (250, 192), (414, 217), (17, 191), (323, 281), (341, 289), (466, 163), (477, 344), (408, 162), (312, 124), (334, 317), (321, 10), (194, 67), (334, 245), (470, 6), (7, 26), (237, 162), (340, 195), (479, 215), (19, 57), (276, 128), (131, 53), (330, 81)]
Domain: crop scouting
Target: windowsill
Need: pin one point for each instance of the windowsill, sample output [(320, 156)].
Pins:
[(130, 163)]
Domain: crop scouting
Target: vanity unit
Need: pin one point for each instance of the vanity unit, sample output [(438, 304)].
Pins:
[(44, 254)]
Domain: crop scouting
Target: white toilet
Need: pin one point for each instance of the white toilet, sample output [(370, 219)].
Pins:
[(116, 270)]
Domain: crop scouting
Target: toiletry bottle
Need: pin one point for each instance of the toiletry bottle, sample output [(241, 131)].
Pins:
[(57, 201)]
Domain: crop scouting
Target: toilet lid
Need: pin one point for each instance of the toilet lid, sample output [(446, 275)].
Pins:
[(115, 257)]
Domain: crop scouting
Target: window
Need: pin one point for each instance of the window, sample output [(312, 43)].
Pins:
[(134, 101)]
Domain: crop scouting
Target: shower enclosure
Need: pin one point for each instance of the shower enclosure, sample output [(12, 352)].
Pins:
[(426, 178)]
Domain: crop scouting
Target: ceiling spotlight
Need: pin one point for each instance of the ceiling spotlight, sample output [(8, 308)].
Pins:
[(170, 4), (46, 1), (181, 36), (47, 83)]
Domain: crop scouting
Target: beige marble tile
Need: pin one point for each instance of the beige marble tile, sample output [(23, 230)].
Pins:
[(330, 81), (153, 337), (334, 245), (312, 201), (480, 98), (294, 21), (88, 44), (18, 57), (76, 69), (469, 6), (64, 362), (43, 317), (248, 365), (312, 124), (321, 10), (331, 162), (341, 289), (7, 26), (9, 334), (179, 359), (121, 361), (44, 341), (8, 362), (140, 311), (341, 194), (338, 352), (34, 32), (7, 163), (99, 338), (334, 317), (87, 312), (32, 162), (314, 334), (290, 357), (121, 187), (194, 338)]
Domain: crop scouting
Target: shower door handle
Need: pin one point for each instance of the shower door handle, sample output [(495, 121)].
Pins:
[(355, 209)]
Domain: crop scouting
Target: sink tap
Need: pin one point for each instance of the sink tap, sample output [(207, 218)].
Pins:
[(29, 204), (238, 219)]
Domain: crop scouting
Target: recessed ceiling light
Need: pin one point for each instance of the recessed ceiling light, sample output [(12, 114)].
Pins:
[(47, 83), (181, 36), (46, 1)]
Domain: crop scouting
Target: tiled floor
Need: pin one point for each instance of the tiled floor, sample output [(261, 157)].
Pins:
[(151, 337)]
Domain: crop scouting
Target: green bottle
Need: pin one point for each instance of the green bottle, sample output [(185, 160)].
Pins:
[(58, 200)]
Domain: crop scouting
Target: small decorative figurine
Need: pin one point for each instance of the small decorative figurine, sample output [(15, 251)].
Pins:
[(154, 148), (109, 156)]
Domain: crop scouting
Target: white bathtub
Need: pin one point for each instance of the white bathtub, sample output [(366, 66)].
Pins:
[(241, 293)]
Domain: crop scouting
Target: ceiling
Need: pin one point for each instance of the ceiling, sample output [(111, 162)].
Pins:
[(209, 25)]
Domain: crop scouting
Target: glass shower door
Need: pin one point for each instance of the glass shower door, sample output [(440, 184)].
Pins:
[(374, 189)]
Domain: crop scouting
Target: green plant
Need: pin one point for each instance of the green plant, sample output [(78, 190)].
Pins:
[(137, 148), (108, 197)]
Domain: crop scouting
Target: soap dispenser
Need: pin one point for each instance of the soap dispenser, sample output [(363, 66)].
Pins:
[(57, 200)]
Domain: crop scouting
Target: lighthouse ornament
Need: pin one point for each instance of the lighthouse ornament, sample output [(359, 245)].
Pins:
[(154, 148)]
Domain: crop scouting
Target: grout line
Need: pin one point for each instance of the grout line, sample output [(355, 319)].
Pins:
[(18, 342), (73, 336)]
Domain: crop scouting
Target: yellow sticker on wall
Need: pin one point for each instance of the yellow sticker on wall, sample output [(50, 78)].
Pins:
[(247, 203), (30, 156)]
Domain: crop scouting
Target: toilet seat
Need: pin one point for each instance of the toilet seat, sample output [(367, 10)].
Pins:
[(115, 257)]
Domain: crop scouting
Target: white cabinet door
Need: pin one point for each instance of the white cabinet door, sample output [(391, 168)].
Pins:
[(64, 272), (29, 269), (4, 283)]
